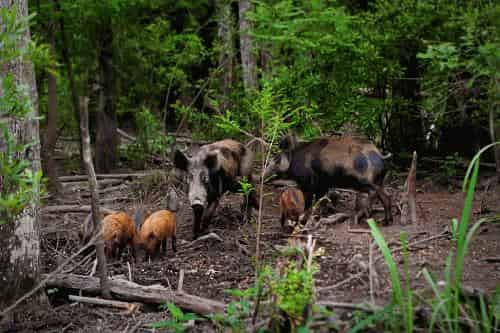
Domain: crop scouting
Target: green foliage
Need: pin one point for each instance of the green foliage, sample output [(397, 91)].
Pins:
[(150, 140), (284, 293), (451, 167), (18, 184), (178, 318)]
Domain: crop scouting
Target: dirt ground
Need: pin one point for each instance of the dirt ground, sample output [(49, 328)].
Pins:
[(212, 267)]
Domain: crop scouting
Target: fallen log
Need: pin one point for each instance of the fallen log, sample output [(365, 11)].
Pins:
[(73, 209), (76, 178), (133, 292), (130, 307), (84, 184)]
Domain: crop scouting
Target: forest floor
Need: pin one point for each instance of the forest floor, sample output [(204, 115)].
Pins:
[(212, 267)]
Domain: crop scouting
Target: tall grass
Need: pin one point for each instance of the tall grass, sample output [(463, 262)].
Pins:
[(450, 312)]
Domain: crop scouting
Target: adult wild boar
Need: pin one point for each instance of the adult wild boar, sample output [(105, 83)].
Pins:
[(212, 170), (329, 162)]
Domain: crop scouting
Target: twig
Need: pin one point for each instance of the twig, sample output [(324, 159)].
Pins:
[(99, 301), (371, 271), (211, 235), (351, 306), (444, 233), (181, 280), (129, 271)]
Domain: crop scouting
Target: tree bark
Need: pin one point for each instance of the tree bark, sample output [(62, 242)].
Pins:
[(106, 139), (19, 239), (494, 128), (96, 216), (225, 33), (50, 135), (248, 61)]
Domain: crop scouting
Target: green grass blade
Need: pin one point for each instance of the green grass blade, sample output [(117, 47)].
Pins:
[(474, 159), (391, 265)]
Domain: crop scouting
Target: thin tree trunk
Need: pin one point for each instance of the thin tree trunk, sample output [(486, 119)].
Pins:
[(106, 139), (494, 128), (89, 167), (225, 33), (50, 136), (248, 61), (19, 239), (69, 67)]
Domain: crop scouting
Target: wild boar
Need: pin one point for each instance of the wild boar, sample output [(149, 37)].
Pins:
[(118, 232), (156, 229), (329, 162), (211, 171), (291, 206)]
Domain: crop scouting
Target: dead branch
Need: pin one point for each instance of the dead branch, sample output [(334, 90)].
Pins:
[(83, 184), (76, 178), (181, 281), (203, 238), (130, 307), (335, 218), (73, 209), (94, 194), (283, 182), (492, 259), (125, 135), (133, 292), (370, 308), (409, 206)]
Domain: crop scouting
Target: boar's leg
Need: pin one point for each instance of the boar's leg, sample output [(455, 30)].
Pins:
[(363, 205), (197, 219), (386, 201), (308, 201), (164, 245), (174, 245)]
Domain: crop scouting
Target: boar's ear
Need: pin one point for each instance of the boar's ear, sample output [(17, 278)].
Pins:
[(138, 218), (181, 162), (288, 142), (212, 161)]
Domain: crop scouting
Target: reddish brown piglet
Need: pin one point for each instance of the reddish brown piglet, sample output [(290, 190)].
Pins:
[(155, 231), (118, 232), (291, 206), (157, 228)]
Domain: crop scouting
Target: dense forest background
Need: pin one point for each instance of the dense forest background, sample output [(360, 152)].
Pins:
[(411, 75)]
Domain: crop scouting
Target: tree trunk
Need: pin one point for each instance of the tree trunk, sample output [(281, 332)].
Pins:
[(50, 135), (19, 239), (69, 68), (248, 61), (225, 33), (106, 139), (494, 127)]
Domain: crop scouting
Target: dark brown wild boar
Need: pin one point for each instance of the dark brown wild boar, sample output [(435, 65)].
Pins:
[(291, 206), (156, 229), (214, 169), (329, 162)]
